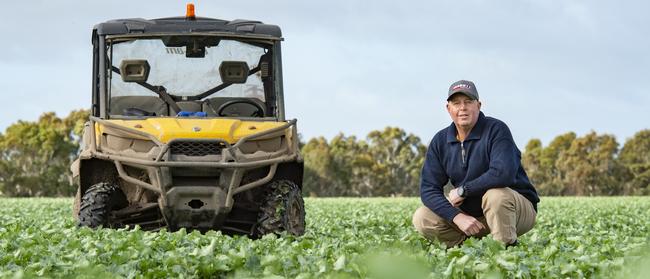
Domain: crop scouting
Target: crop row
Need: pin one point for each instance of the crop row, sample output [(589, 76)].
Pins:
[(346, 238)]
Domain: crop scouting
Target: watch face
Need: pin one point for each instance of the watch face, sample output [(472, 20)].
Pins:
[(461, 191)]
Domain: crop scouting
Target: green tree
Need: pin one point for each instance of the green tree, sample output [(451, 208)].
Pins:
[(635, 156), (347, 156), (541, 162), (330, 168), (549, 161), (589, 166), (35, 156), (387, 163), (317, 157), (393, 162), (531, 160), (75, 121)]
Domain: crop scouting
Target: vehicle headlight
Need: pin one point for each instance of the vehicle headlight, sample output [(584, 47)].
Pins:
[(265, 145)]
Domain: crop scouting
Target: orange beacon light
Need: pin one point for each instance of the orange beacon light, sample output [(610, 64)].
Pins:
[(190, 11)]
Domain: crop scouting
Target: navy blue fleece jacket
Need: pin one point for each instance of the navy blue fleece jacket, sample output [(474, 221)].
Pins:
[(491, 160)]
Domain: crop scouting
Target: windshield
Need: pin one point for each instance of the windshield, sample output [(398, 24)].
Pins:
[(183, 76)]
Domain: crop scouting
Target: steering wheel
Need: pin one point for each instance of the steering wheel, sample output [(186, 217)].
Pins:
[(259, 112)]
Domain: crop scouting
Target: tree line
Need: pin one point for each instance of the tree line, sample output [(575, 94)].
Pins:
[(35, 159), (590, 165)]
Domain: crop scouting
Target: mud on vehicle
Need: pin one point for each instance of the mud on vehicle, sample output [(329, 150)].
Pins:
[(188, 130)]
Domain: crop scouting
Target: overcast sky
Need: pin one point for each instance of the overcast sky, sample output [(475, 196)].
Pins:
[(545, 67)]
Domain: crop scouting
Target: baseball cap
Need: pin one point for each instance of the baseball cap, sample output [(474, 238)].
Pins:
[(463, 86)]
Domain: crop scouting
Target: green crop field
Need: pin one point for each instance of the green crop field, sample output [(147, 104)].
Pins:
[(346, 238)]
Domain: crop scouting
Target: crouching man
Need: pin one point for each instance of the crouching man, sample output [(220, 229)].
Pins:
[(478, 156)]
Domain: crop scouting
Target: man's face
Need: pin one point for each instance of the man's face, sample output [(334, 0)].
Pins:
[(463, 110)]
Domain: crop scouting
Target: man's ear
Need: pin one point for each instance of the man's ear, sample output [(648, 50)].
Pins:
[(479, 105), (447, 106)]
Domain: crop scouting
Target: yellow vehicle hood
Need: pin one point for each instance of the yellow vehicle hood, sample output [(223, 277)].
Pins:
[(168, 128)]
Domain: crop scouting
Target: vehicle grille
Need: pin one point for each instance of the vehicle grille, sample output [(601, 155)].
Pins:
[(196, 148)]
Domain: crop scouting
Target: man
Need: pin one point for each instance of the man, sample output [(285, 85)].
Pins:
[(478, 156)]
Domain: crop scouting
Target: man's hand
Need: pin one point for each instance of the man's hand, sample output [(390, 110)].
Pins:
[(454, 198), (468, 224)]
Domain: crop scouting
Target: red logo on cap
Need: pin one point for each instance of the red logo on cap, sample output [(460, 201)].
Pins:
[(462, 85)]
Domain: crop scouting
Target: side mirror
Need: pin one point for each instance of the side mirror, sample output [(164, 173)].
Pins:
[(134, 70), (233, 71)]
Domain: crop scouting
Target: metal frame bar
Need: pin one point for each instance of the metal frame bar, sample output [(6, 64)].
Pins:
[(103, 92), (95, 109), (246, 187), (125, 176), (233, 188), (263, 38), (277, 82), (225, 165)]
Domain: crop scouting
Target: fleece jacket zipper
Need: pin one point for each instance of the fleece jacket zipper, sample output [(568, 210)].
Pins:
[(463, 153)]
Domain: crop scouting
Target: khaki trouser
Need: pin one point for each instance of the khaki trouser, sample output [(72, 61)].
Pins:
[(507, 214)]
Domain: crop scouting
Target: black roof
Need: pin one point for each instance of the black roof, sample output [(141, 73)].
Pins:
[(184, 25)]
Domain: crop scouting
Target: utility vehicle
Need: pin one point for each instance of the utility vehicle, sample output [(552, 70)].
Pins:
[(188, 129)]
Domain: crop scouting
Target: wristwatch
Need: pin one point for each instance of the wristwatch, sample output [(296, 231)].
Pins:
[(461, 191)]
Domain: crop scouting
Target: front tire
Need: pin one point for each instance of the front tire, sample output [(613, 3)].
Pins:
[(98, 202), (283, 210)]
